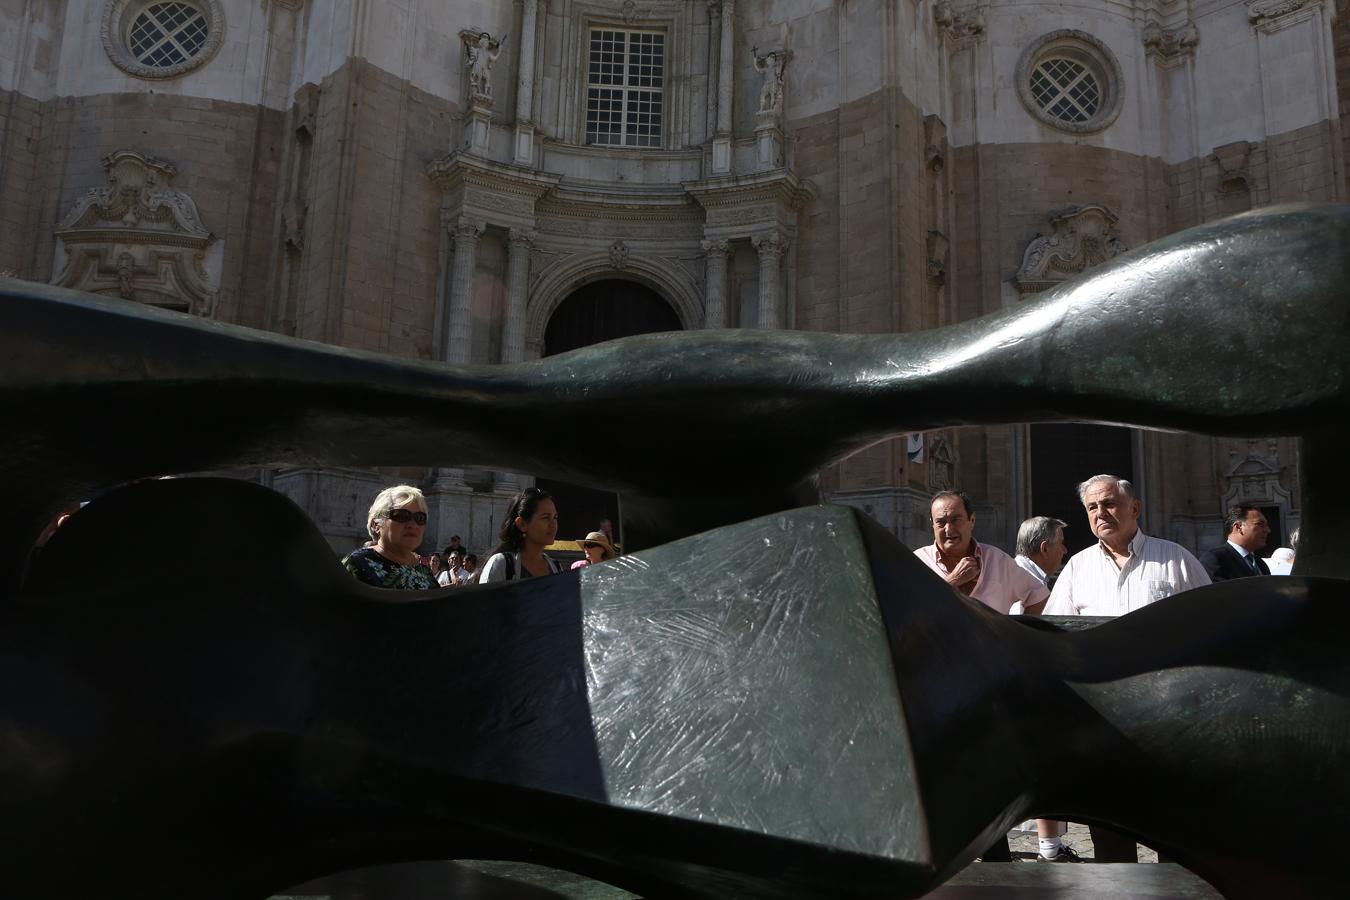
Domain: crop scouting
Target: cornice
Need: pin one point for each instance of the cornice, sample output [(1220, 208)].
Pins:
[(780, 186), (459, 168), (604, 202)]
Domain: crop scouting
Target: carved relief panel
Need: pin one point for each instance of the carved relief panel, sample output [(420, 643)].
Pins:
[(138, 239)]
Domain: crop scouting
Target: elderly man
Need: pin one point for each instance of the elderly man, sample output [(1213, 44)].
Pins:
[(1040, 547), (1247, 532), (1126, 569), (1041, 551), (985, 573)]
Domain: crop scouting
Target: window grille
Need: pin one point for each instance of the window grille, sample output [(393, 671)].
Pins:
[(624, 88), (167, 34), (1066, 89)]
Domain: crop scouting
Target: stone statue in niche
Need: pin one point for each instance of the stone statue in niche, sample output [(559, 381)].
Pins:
[(480, 52), (770, 67)]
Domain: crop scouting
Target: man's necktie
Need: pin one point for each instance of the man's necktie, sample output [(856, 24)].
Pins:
[(1251, 561)]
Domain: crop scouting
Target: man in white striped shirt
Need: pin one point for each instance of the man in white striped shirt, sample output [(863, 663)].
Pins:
[(1126, 569)]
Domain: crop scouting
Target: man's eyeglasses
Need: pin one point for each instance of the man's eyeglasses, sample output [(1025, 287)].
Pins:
[(404, 516)]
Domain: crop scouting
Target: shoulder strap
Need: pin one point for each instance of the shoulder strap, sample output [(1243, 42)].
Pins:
[(510, 560)]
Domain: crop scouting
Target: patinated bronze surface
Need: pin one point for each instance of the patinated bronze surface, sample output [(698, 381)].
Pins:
[(792, 707), (224, 721), (1233, 328)]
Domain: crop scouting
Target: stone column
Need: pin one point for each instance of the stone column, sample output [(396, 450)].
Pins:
[(513, 322), (524, 151), (714, 53), (517, 295), (459, 325), (466, 233), (771, 248), (725, 86), (715, 290)]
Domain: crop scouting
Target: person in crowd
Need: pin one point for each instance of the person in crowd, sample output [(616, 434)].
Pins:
[(1247, 531), (1124, 571), (983, 572), (436, 563), (531, 524), (455, 547), (607, 529), (597, 548), (1040, 547), (1281, 562), (454, 574), (397, 522), (1041, 551), (470, 564)]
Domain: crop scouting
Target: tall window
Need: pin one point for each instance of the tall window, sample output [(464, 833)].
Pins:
[(624, 100)]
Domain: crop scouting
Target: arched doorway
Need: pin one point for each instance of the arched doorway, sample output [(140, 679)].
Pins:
[(1063, 455), (600, 311)]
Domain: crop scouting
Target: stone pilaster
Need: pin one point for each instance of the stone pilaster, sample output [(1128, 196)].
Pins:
[(725, 85), (524, 144), (770, 248), (715, 290), (466, 233), (517, 295)]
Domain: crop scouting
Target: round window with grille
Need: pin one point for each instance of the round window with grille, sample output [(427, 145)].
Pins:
[(162, 38), (1069, 80)]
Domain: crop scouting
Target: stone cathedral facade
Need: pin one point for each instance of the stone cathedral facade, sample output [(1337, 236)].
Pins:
[(487, 181)]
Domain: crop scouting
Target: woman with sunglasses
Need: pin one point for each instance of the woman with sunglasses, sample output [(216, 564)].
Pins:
[(531, 525), (597, 549), (398, 522)]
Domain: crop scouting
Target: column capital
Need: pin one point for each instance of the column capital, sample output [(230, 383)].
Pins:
[(522, 237), (715, 247), (464, 228), (771, 244)]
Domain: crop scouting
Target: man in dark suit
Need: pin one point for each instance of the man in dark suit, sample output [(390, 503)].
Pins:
[(1237, 558)]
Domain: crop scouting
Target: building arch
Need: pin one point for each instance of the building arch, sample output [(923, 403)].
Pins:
[(558, 282)]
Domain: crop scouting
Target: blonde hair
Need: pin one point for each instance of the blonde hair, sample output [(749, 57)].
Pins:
[(385, 500)]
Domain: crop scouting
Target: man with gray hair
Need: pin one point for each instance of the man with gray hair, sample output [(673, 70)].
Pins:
[(1126, 569), (1040, 547)]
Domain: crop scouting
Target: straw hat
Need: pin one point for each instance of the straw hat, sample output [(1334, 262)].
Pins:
[(598, 537)]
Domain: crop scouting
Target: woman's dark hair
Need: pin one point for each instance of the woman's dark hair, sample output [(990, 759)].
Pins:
[(522, 506)]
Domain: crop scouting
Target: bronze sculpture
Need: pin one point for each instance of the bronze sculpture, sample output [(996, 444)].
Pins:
[(247, 705)]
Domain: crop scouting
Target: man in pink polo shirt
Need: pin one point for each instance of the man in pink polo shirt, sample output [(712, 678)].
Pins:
[(983, 572)]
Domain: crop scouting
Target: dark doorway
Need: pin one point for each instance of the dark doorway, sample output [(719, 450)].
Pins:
[(600, 311), (1277, 536), (1062, 457)]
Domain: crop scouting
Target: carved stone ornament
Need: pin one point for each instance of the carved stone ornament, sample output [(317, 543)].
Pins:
[(934, 139), (1262, 11), (941, 465), (618, 254), (1080, 238), (937, 258), (481, 50), (138, 238), (958, 25), (178, 48), (770, 67), (1169, 46), (629, 12), (1232, 160)]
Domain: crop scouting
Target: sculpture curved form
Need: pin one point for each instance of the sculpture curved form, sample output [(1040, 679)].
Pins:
[(166, 393), (807, 712)]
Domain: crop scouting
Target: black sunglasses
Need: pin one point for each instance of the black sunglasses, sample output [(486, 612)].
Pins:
[(404, 516)]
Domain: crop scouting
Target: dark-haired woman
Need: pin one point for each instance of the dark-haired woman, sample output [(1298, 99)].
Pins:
[(531, 525)]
